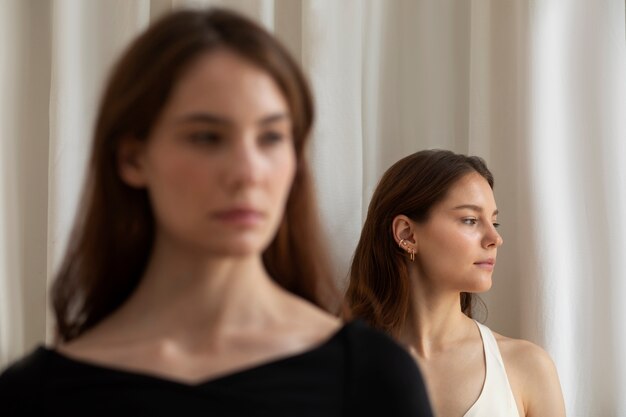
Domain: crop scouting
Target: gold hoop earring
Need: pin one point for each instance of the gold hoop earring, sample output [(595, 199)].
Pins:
[(409, 250)]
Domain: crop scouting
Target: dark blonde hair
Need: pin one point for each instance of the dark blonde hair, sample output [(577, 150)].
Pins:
[(379, 290), (113, 235)]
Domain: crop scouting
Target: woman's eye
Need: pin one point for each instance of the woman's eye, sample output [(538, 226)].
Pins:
[(270, 138), (470, 221), (496, 225), (209, 138)]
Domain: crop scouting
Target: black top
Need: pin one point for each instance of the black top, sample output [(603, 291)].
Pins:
[(357, 372)]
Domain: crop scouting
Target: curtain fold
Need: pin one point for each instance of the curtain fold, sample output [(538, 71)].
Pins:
[(535, 87), (86, 38), (10, 314), (332, 36), (24, 87), (576, 171)]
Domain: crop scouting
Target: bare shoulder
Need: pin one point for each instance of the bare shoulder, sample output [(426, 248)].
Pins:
[(524, 355), (533, 376), (99, 345)]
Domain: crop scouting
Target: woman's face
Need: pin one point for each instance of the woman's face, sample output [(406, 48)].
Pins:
[(458, 243), (220, 161)]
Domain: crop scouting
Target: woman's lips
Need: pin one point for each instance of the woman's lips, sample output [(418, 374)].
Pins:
[(486, 264), (241, 217)]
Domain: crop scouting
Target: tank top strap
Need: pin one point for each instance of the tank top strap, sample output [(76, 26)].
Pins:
[(496, 397), (490, 345)]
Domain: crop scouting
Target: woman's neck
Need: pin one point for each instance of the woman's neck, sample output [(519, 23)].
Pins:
[(182, 294), (435, 321)]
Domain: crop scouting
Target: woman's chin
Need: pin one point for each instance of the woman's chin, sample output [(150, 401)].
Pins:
[(239, 248), (483, 285), (478, 284)]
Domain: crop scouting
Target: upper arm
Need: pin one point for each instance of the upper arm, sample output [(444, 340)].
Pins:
[(537, 379), (544, 395)]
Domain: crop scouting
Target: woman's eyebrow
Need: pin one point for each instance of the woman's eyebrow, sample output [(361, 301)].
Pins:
[(204, 118), (474, 208), (273, 118), (220, 120)]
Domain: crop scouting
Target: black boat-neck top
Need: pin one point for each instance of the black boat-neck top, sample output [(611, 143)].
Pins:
[(356, 372)]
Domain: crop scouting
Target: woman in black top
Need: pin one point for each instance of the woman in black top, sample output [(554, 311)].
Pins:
[(195, 283)]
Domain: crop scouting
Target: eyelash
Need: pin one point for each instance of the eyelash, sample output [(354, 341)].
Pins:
[(471, 221), (267, 138), (205, 138)]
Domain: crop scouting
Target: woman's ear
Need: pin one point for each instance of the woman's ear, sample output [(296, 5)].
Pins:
[(404, 233), (130, 153)]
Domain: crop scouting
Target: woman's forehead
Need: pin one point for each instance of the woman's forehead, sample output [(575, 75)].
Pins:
[(472, 191)]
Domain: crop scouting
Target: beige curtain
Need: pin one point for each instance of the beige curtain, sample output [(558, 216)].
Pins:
[(535, 87)]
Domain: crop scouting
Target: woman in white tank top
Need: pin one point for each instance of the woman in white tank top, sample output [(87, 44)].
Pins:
[(428, 243)]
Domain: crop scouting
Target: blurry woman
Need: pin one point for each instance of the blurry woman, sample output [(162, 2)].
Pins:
[(429, 242), (195, 282)]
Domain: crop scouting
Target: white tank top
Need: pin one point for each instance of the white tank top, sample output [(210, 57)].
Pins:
[(496, 397)]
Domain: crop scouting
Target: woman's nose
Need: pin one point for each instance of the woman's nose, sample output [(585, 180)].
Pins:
[(244, 166), (492, 238)]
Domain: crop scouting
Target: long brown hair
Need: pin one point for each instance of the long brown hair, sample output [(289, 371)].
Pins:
[(379, 289), (114, 232)]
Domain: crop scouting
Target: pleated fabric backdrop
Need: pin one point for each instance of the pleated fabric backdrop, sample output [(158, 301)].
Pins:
[(537, 88)]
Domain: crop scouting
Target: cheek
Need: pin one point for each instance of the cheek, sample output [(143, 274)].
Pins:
[(462, 246), (283, 173), (177, 178), (451, 248)]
